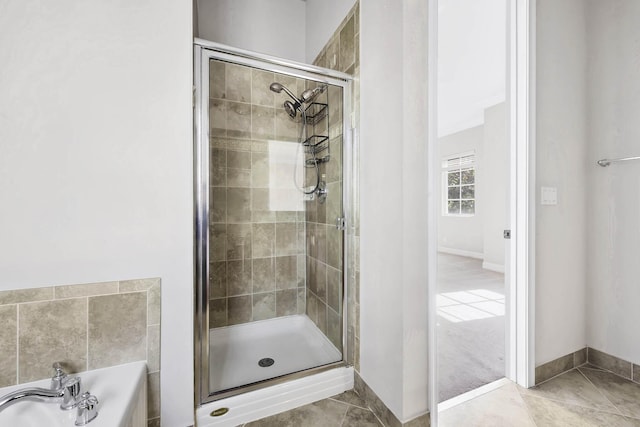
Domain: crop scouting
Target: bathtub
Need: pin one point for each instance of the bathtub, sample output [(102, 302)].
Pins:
[(121, 392)]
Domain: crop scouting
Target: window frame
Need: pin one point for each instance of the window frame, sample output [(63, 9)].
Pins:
[(446, 169)]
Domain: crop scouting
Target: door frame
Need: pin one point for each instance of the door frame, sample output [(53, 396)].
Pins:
[(520, 271)]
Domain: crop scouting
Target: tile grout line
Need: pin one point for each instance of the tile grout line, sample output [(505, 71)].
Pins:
[(576, 405), (600, 391), (555, 376), (529, 415), (344, 417)]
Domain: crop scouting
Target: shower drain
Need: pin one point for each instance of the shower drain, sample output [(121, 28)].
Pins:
[(266, 362)]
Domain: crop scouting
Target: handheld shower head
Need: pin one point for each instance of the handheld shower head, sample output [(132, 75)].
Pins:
[(277, 88), (291, 107)]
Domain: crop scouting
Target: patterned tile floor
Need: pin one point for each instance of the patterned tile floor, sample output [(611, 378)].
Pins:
[(344, 410), (583, 397)]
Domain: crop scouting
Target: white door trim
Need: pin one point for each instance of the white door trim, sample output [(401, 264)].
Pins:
[(521, 90), (433, 171)]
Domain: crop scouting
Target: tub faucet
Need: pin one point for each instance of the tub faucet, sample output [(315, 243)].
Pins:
[(62, 387)]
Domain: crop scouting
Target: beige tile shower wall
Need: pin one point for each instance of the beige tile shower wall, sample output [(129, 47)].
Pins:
[(257, 265), (325, 270), (84, 327)]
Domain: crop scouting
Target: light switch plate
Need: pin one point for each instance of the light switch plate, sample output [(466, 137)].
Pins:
[(548, 196)]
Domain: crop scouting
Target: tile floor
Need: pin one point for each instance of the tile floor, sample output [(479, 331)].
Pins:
[(344, 410), (583, 397)]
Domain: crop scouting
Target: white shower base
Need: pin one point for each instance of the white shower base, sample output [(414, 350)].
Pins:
[(272, 400), (293, 342)]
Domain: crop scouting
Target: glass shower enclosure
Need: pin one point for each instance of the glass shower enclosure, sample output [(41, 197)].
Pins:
[(272, 147)]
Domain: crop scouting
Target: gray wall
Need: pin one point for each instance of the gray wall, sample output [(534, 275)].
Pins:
[(95, 160), (613, 233), (274, 27), (495, 185), (561, 147)]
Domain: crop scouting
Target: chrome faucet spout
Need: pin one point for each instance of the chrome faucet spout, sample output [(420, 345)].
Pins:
[(34, 394)]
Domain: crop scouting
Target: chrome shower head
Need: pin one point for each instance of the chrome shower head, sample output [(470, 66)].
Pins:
[(290, 107), (310, 94), (277, 87)]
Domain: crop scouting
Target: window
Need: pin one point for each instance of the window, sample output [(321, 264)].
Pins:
[(459, 185)]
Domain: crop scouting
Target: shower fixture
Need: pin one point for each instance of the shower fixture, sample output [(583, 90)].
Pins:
[(306, 97), (312, 113), (310, 94), (290, 107)]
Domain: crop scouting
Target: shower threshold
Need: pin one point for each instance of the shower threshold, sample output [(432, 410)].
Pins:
[(257, 351)]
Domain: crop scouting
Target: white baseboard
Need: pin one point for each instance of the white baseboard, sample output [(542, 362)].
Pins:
[(460, 252), (498, 268)]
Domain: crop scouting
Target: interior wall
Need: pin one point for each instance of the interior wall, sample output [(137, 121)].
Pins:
[(494, 183), (471, 61), (561, 158), (96, 155), (322, 18), (274, 27), (480, 235), (393, 242), (613, 234), (462, 234)]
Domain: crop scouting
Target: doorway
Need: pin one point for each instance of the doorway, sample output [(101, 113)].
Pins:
[(481, 295), (473, 151)]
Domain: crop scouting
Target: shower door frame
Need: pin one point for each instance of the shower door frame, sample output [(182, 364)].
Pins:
[(204, 51)]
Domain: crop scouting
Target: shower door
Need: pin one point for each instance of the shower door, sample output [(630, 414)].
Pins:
[(270, 269)]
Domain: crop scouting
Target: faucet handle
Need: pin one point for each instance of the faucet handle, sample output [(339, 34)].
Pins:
[(60, 377), (70, 397), (87, 409)]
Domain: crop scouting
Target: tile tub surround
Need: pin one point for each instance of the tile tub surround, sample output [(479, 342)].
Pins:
[(86, 327), (257, 250)]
